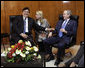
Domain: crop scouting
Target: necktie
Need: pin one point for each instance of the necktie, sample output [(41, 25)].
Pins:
[(63, 26), (24, 25)]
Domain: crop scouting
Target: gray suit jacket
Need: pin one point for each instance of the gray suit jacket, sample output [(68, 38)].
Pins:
[(38, 35)]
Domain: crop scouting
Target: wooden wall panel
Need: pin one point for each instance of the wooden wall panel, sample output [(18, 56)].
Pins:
[(48, 9), (80, 12), (71, 5), (2, 17), (12, 8), (59, 10), (51, 10)]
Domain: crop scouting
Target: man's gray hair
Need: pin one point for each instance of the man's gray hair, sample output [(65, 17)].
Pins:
[(69, 12)]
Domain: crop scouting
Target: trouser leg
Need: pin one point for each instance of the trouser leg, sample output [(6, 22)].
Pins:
[(48, 43), (61, 50)]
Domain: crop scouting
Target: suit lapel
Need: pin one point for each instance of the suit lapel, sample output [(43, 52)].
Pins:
[(29, 22), (67, 24), (22, 21)]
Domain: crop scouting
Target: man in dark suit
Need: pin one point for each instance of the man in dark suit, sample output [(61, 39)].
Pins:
[(64, 30), (22, 27)]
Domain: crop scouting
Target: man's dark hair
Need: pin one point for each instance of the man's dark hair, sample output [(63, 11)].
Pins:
[(26, 8)]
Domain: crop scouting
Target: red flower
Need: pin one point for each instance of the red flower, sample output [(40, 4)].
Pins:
[(16, 46), (21, 49), (22, 46), (19, 45)]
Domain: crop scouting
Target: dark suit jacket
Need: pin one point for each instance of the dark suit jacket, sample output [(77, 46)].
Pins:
[(71, 29), (18, 27)]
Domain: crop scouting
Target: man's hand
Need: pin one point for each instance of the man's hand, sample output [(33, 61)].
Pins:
[(63, 30), (50, 34), (73, 64), (23, 35), (49, 29)]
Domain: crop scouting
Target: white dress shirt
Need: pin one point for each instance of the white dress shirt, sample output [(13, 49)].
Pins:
[(66, 21)]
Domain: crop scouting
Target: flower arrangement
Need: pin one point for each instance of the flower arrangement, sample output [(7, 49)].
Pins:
[(22, 51)]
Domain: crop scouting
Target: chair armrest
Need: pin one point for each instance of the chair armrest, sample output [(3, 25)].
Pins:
[(3, 35)]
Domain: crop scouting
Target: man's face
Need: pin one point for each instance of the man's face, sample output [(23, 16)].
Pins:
[(25, 13), (65, 15)]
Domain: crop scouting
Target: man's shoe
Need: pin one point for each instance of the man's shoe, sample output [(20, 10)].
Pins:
[(57, 62)]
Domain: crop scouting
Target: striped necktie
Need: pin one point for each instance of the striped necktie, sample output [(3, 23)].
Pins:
[(24, 25), (63, 26)]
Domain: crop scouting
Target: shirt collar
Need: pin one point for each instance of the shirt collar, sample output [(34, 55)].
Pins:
[(24, 18), (67, 19)]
